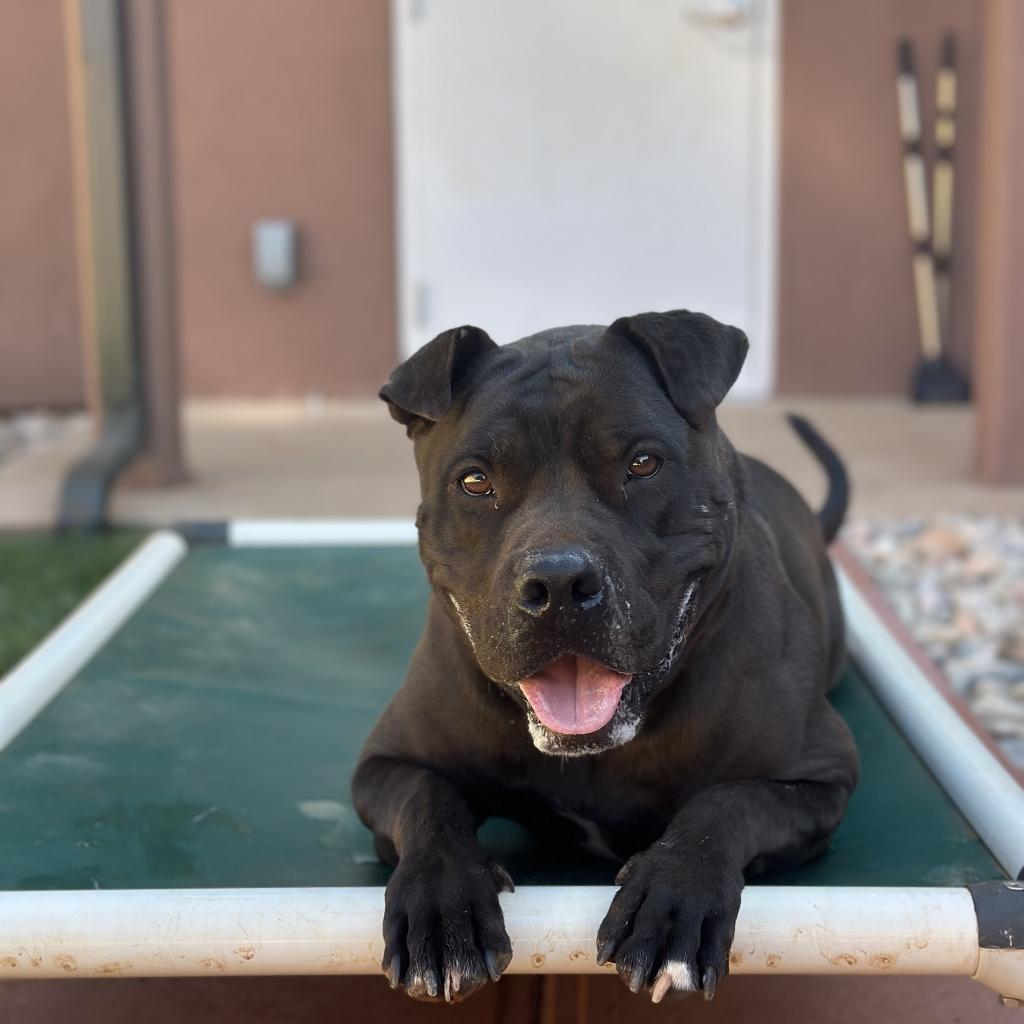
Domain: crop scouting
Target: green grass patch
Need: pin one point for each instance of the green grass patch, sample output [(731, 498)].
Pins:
[(44, 576)]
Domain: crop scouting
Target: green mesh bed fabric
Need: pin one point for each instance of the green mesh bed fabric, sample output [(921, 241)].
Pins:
[(211, 743)]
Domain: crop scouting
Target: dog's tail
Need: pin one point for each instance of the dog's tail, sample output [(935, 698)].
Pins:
[(832, 513)]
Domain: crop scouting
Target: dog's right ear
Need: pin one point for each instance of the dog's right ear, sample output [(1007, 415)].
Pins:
[(421, 389)]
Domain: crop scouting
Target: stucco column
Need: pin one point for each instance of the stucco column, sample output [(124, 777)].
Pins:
[(161, 461), (999, 317)]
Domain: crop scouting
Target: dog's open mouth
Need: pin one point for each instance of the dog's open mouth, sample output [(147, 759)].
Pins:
[(574, 695)]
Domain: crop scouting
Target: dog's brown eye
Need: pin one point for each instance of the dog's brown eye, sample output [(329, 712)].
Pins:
[(476, 482), (644, 464)]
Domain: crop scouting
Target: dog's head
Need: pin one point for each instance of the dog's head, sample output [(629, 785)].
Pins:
[(578, 508)]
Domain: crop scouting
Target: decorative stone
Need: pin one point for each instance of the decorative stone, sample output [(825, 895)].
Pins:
[(940, 542), (1012, 648), (957, 583)]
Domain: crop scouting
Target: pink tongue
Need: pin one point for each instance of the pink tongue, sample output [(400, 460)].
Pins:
[(574, 695)]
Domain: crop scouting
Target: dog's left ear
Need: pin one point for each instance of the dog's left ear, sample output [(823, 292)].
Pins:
[(421, 388), (697, 357)]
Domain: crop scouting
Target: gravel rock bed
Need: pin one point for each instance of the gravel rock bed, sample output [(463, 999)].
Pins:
[(957, 583)]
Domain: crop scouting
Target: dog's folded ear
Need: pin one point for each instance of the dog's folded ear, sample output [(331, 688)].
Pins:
[(423, 386), (697, 358)]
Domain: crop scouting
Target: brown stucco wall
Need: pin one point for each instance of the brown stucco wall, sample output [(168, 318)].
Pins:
[(283, 110), (40, 353), (847, 321)]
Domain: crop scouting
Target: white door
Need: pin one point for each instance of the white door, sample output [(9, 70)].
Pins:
[(573, 161)]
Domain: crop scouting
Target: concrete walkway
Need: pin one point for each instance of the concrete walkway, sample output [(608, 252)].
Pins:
[(351, 459)]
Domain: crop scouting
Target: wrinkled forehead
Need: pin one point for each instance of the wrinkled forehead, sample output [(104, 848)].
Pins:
[(560, 392)]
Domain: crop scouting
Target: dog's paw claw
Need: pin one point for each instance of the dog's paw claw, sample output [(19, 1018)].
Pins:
[(452, 982), (502, 879), (393, 971), (495, 966), (662, 986), (422, 984), (635, 968), (627, 869), (709, 982)]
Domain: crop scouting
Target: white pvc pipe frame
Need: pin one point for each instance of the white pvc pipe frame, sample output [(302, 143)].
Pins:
[(782, 930)]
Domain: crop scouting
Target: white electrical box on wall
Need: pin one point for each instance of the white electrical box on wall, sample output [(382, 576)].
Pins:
[(274, 252)]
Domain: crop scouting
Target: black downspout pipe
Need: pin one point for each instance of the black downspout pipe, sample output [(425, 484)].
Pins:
[(108, 267)]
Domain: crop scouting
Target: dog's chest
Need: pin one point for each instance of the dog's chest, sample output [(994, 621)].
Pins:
[(596, 839), (614, 818)]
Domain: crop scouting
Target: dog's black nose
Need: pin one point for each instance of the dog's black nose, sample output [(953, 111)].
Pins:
[(559, 579)]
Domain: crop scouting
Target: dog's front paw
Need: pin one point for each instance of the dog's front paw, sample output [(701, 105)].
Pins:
[(444, 934), (671, 923)]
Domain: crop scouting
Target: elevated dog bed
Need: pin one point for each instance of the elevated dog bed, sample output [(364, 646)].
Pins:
[(175, 759)]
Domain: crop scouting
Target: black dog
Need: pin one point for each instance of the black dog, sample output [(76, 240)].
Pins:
[(632, 625)]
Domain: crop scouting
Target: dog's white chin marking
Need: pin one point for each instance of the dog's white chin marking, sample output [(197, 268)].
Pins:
[(462, 618), (675, 974), (624, 727)]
